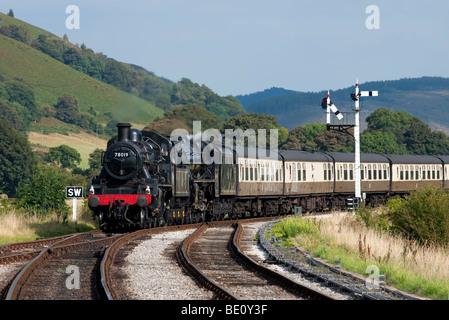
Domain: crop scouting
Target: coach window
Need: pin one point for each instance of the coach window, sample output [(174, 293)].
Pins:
[(412, 172), (325, 171), (293, 171), (370, 177), (362, 172), (330, 171), (438, 173), (345, 172), (374, 171), (433, 172), (304, 172), (402, 172), (351, 172), (254, 171)]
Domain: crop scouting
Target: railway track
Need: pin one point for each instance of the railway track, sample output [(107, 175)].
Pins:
[(217, 254), (212, 255), (25, 251), (113, 265), (66, 269)]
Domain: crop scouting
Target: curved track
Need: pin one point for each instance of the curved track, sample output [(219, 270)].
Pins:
[(57, 270), (213, 257)]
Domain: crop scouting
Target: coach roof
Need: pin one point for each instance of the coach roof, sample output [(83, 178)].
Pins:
[(297, 155), (257, 153), (412, 159), (364, 157)]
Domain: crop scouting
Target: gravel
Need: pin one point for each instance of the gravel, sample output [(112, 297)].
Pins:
[(153, 274), (258, 251)]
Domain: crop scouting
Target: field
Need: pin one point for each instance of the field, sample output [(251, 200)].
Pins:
[(84, 143)]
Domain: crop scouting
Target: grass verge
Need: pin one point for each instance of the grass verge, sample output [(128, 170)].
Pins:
[(15, 226), (408, 266)]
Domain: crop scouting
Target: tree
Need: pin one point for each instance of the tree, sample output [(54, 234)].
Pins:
[(255, 122), (16, 159), (373, 141), (45, 192), (296, 139), (182, 117), (64, 156), (67, 108), (116, 74), (95, 160), (19, 33), (11, 13), (311, 130), (10, 114)]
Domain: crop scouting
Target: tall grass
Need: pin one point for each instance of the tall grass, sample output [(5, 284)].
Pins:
[(408, 265), (16, 225)]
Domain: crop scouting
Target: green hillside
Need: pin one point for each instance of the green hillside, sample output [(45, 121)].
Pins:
[(50, 79), (135, 80)]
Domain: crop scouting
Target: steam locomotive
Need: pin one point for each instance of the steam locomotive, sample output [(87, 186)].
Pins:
[(141, 185)]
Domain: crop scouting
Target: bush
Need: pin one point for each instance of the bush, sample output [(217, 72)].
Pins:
[(422, 216), (374, 218), (290, 227), (46, 192)]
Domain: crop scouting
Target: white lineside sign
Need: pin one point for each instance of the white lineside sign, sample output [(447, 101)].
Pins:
[(74, 193)]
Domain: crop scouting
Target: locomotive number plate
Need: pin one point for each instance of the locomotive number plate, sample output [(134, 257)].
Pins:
[(121, 154)]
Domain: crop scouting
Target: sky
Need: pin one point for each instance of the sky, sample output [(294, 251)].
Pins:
[(239, 47)]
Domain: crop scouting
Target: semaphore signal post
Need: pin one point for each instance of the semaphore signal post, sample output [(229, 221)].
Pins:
[(344, 127)]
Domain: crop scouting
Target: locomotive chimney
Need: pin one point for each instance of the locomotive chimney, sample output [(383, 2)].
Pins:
[(123, 131)]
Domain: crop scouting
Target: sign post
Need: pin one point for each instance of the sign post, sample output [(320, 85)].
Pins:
[(74, 193)]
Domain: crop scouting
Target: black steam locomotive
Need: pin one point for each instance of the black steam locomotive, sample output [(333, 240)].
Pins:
[(140, 187)]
